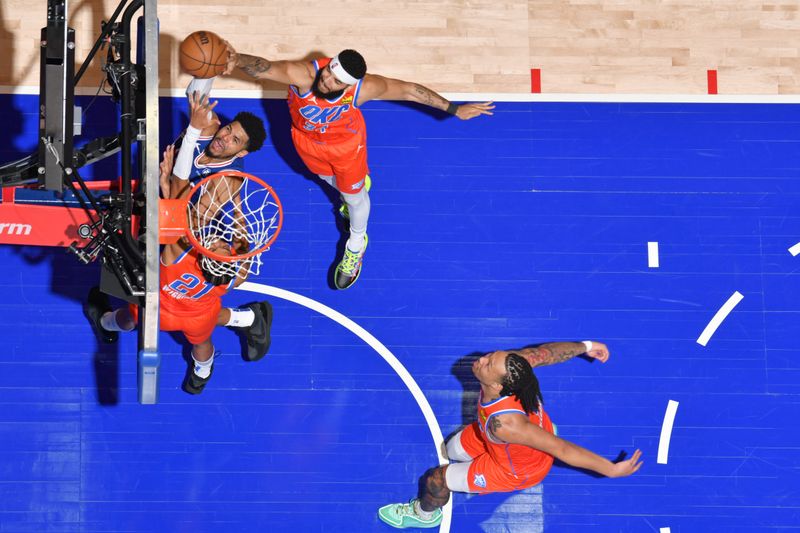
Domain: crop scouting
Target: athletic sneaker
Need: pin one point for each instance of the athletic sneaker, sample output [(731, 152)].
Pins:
[(402, 515), (343, 209), (94, 308), (258, 333), (194, 384), (349, 268)]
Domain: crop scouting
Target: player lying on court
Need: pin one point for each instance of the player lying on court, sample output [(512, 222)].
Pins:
[(512, 444), (329, 132), (191, 291)]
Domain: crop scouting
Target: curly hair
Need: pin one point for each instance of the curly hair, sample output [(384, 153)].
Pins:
[(254, 128), (522, 383)]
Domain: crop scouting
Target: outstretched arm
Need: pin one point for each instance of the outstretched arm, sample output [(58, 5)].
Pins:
[(287, 72), (517, 429), (558, 352), (375, 86)]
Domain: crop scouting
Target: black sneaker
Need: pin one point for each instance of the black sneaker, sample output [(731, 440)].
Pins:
[(349, 268), (94, 308), (258, 334), (194, 384)]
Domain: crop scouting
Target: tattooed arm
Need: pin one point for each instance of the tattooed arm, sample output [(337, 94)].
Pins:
[(287, 72), (375, 86), (558, 352)]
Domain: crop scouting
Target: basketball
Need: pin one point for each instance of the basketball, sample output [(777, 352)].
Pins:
[(203, 54)]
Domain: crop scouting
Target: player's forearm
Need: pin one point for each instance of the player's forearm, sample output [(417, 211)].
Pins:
[(552, 353), (580, 457), (254, 66), (421, 94)]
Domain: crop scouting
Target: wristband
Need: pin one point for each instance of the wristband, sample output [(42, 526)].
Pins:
[(452, 108), (588, 345), (183, 163)]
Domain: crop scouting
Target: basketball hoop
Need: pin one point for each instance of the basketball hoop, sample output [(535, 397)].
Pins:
[(227, 211)]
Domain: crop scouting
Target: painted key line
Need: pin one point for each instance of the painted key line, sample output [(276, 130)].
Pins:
[(720, 315), (666, 432), (652, 254)]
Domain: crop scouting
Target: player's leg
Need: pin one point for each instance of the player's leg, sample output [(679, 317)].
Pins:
[(199, 372), (105, 321), (330, 180), (197, 330), (465, 445), (425, 511), (477, 473), (254, 321), (351, 178)]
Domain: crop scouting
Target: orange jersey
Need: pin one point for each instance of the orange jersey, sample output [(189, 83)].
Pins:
[(185, 291), (326, 121), (516, 459)]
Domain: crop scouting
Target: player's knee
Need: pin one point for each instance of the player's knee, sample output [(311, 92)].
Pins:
[(357, 199), (455, 451)]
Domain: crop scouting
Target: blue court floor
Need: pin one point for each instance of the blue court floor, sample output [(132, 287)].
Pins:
[(526, 227)]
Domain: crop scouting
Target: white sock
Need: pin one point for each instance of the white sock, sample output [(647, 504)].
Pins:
[(109, 321), (422, 513), (358, 205), (241, 318), (203, 368)]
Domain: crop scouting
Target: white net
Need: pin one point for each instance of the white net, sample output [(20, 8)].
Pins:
[(235, 217)]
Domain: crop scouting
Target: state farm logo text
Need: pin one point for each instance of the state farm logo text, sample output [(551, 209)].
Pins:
[(9, 228)]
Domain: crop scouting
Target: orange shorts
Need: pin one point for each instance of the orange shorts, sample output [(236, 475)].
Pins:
[(196, 328), (346, 160), (484, 474)]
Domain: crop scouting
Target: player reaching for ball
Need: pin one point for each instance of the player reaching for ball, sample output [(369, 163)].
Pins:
[(213, 147), (329, 133)]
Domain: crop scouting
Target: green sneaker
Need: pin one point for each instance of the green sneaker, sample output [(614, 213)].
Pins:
[(402, 515), (349, 268), (343, 210)]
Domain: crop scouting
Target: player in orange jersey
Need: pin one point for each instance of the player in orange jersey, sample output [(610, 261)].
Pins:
[(513, 443), (191, 295), (329, 133)]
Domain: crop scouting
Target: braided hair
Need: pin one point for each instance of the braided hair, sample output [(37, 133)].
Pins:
[(522, 383)]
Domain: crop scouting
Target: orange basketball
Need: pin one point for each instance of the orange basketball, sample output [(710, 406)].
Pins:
[(203, 54)]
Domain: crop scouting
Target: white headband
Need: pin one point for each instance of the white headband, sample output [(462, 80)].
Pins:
[(341, 74)]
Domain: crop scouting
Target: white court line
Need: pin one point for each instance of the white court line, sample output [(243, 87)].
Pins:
[(723, 312), (666, 432), (794, 250), (480, 97), (652, 254), (664, 530), (383, 351)]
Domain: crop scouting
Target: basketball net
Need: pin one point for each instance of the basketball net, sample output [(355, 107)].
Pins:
[(231, 219)]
